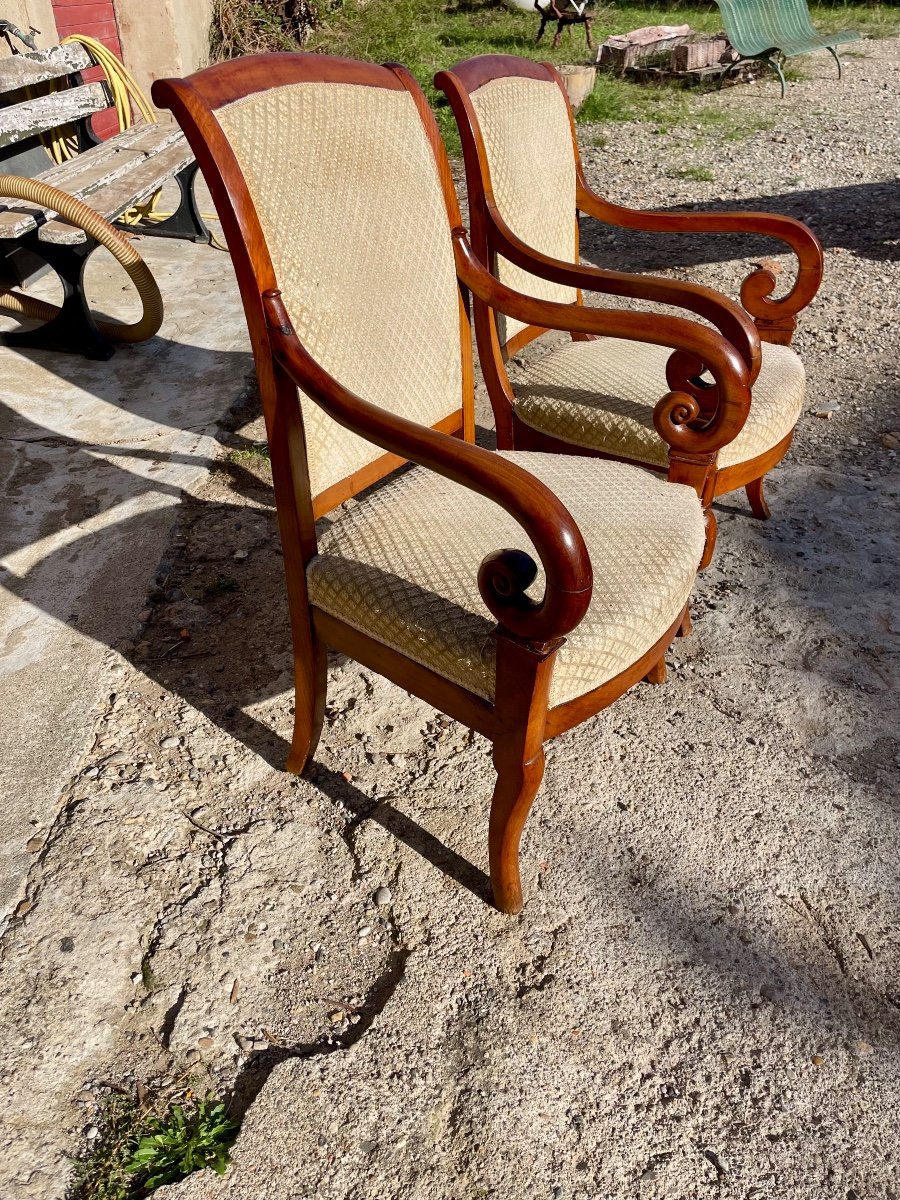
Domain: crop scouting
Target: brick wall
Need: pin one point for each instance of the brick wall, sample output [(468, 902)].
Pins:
[(97, 20)]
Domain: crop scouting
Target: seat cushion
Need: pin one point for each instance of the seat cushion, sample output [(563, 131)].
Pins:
[(401, 565), (602, 394)]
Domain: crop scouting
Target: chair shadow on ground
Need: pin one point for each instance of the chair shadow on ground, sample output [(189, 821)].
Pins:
[(248, 626), (85, 481), (862, 218)]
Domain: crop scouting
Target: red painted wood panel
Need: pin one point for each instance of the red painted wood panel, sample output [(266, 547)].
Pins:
[(96, 20)]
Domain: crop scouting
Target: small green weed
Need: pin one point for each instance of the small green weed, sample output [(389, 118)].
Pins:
[(187, 1140), (699, 174), (143, 1147), (249, 455), (148, 979), (220, 586)]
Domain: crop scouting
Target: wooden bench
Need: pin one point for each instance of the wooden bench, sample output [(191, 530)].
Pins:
[(111, 177)]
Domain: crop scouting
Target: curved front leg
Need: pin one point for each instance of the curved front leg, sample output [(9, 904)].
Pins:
[(516, 787), (522, 692)]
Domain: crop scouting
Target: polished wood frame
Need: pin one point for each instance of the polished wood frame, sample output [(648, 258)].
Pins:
[(529, 633), (758, 317)]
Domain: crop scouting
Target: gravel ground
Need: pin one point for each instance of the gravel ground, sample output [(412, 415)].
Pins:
[(702, 995)]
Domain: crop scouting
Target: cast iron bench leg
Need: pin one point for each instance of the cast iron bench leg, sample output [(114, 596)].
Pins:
[(73, 329), (186, 222)]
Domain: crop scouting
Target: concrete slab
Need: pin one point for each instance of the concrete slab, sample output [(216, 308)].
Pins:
[(93, 459)]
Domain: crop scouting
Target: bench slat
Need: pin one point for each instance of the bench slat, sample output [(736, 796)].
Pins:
[(25, 70), (31, 117), (120, 194), (143, 139), (115, 159)]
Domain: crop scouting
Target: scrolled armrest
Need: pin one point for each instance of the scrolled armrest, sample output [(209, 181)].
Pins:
[(504, 575), (700, 431), (723, 313), (757, 288)]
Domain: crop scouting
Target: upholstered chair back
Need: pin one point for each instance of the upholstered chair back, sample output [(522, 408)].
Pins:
[(348, 195), (528, 141)]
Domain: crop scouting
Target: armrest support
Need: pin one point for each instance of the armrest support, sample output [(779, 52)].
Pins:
[(727, 316), (504, 575), (777, 316), (679, 417)]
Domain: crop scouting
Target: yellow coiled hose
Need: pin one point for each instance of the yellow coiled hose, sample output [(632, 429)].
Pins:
[(36, 192)]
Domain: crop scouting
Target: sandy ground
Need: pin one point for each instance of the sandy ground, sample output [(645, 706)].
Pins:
[(702, 995)]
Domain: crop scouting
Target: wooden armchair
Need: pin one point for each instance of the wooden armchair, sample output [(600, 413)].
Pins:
[(526, 186), (519, 593)]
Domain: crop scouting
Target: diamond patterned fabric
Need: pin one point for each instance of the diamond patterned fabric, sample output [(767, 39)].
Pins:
[(347, 192), (602, 394), (402, 566), (526, 132)]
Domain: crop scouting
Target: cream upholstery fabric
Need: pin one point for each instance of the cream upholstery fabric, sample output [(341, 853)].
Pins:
[(348, 196), (602, 394), (525, 126), (402, 566)]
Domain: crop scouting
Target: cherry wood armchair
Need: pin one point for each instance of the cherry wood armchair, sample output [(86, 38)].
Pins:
[(526, 187), (519, 593)]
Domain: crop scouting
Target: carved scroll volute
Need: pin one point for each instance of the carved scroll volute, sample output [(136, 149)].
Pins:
[(775, 319), (696, 419), (503, 580), (683, 372), (672, 418), (682, 419)]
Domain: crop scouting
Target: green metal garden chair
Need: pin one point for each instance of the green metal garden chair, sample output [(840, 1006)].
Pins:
[(774, 29)]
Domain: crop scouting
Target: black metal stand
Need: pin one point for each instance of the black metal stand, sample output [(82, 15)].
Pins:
[(186, 222), (73, 329)]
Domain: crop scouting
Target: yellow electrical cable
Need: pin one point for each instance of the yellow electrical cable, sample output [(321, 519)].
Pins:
[(125, 91), (76, 211)]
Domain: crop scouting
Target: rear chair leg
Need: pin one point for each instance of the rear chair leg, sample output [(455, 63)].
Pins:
[(686, 628), (309, 705), (712, 529), (758, 505), (657, 673), (834, 55)]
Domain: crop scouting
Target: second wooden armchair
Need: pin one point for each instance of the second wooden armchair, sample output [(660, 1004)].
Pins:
[(526, 186), (519, 593)]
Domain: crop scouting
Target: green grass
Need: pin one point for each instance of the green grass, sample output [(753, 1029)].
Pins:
[(249, 455), (698, 174), (429, 35), (220, 586)]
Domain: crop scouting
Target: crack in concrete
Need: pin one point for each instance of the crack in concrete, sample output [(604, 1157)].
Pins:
[(252, 1078)]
